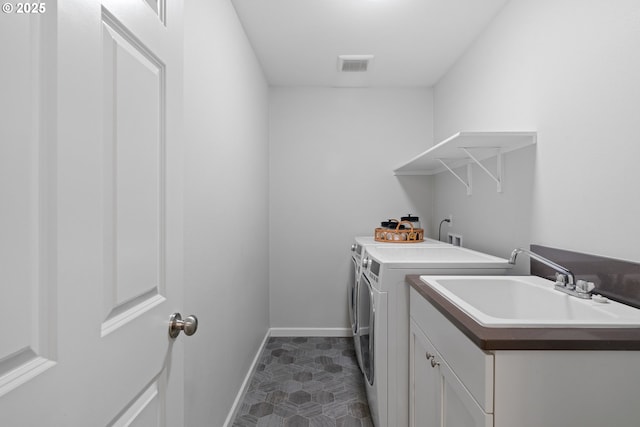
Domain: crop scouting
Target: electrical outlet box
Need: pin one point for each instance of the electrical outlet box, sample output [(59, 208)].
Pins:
[(455, 239)]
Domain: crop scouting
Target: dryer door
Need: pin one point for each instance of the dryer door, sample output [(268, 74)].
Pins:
[(366, 325)]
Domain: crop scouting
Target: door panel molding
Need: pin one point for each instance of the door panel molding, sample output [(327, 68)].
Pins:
[(146, 409), (134, 176), (27, 245), (159, 8)]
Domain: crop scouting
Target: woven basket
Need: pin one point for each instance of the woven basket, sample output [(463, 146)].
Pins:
[(414, 235)]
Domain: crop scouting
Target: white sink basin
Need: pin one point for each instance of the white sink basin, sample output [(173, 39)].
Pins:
[(528, 301)]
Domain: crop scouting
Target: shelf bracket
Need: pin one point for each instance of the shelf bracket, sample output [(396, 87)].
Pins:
[(466, 183), (497, 179)]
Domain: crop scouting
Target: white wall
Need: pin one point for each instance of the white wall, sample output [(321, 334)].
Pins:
[(226, 208), (332, 152), (568, 69)]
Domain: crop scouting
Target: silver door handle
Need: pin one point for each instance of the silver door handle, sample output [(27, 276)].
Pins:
[(189, 325)]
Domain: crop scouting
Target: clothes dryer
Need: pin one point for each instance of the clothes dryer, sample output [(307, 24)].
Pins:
[(382, 310), (357, 250)]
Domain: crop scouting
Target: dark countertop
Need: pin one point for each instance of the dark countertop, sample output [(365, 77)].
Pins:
[(509, 338)]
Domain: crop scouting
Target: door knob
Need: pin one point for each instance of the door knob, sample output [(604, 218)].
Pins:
[(189, 325)]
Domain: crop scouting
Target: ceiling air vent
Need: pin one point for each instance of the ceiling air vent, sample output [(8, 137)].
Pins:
[(354, 63)]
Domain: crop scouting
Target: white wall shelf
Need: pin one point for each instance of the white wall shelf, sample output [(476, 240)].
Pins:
[(465, 149)]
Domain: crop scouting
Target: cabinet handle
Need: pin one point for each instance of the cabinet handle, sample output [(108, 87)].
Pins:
[(432, 358)]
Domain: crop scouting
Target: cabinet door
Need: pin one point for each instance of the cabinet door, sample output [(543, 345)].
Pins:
[(437, 398), (459, 408), (425, 382)]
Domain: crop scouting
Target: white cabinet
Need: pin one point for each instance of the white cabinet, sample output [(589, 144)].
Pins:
[(469, 387), (437, 397)]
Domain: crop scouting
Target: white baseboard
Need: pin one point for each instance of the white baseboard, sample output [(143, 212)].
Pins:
[(279, 332), (245, 384), (311, 332)]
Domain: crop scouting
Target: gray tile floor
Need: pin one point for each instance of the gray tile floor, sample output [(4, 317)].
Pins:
[(306, 382)]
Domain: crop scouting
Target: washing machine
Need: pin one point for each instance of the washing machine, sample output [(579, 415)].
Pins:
[(382, 313), (357, 250)]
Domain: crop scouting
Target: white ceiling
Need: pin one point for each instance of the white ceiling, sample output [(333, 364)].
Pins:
[(414, 41)]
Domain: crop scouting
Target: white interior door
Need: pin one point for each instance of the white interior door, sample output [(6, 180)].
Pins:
[(90, 213)]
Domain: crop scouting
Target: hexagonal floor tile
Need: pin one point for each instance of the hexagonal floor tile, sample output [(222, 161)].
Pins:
[(303, 376), (322, 397), (285, 359), (285, 409), (322, 421), (310, 409), (272, 420), (348, 421), (261, 409), (323, 360), (358, 409), (333, 368), (278, 352), (299, 397), (296, 421), (335, 410), (276, 397)]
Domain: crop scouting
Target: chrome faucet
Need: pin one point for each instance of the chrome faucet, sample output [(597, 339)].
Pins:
[(565, 279), (569, 278)]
